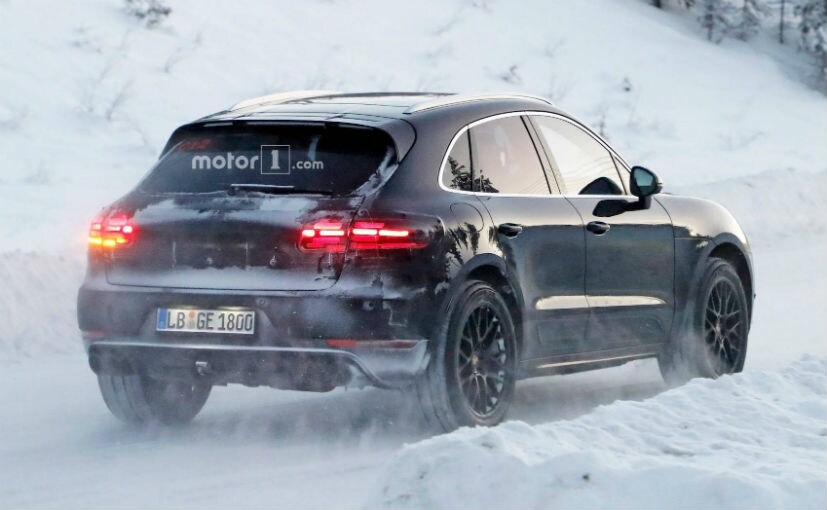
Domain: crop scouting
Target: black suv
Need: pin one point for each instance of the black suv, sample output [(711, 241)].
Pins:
[(446, 245)]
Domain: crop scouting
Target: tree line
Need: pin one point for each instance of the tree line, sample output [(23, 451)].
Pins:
[(803, 22)]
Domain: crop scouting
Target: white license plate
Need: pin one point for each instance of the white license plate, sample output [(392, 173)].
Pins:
[(190, 320)]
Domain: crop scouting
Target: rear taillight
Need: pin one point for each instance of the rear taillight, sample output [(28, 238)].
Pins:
[(334, 236), (111, 232), (324, 235), (378, 235)]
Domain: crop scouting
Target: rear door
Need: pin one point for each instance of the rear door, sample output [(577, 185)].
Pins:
[(249, 207), (539, 233), (629, 253)]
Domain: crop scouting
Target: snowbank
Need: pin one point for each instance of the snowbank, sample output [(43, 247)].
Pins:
[(37, 297), (753, 440)]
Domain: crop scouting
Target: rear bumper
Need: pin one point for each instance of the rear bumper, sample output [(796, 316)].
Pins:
[(303, 365), (367, 313), (293, 344)]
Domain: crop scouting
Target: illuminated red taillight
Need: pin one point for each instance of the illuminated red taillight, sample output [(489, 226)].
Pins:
[(333, 236), (111, 232), (378, 235), (328, 235)]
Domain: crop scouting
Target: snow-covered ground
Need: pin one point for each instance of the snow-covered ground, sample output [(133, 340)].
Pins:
[(249, 447), (88, 95), (753, 440)]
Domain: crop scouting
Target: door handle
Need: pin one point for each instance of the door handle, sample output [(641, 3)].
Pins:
[(598, 227), (510, 229)]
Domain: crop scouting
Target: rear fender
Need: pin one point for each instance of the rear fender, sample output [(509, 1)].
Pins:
[(490, 268)]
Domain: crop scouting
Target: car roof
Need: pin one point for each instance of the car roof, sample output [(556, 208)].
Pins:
[(396, 113), (399, 105)]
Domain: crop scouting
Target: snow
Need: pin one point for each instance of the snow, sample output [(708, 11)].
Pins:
[(37, 297), (753, 440), (762, 433), (249, 448), (89, 96)]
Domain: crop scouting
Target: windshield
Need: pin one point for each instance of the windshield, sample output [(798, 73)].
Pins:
[(291, 158)]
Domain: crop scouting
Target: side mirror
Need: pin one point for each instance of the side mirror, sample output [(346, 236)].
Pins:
[(644, 184)]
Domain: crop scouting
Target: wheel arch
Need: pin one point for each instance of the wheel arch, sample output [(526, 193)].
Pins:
[(728, 251), (491, 269), (499, 281), (694, 253), (712, 253)]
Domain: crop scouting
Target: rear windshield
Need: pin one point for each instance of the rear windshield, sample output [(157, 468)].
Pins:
[(329, 159)]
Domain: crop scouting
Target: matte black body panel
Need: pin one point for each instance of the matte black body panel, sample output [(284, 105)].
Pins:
[(656, 253), (701, 227), (547, 259), (634, 260)]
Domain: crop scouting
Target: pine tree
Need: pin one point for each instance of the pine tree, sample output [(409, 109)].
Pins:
[(812, 30), (717, 17), (750, 18), (683, 3)]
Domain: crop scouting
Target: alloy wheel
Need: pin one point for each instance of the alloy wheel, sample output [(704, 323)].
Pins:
[(723, 329), (482, 361)]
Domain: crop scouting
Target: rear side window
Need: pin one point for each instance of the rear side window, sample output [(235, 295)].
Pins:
[(313, 158), (505, 159), (586, 166), (456, 174)]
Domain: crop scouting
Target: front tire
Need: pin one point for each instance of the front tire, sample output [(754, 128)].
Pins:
[(716, 342), (142, 400), (471, 377)]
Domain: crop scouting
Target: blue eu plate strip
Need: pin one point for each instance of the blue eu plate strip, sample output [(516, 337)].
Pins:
[(162, 318)]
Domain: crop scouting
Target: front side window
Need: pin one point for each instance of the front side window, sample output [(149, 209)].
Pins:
[(456, 174), (586, 166), (505, 159)]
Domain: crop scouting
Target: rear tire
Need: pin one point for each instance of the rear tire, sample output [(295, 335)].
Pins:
[(716, 342), (141, 400), (471, 376)]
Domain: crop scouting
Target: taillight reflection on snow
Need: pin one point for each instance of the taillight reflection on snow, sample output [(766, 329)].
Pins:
[(111, 232)]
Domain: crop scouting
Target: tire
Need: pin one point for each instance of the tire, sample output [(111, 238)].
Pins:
[(141, 400), (715, 343), (471, 376)]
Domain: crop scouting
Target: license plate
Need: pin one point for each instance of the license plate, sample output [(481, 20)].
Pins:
[(189, 320)]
